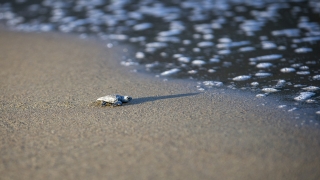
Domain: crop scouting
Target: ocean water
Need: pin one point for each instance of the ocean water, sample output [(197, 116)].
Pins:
[(269, 47)]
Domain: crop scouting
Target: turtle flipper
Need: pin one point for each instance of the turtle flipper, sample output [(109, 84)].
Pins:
[(104, 103), (118, 103)]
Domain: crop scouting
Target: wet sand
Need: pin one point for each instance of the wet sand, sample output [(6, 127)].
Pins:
[(50, 127)]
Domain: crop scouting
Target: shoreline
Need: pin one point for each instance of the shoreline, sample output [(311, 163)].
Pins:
[(49, 128)]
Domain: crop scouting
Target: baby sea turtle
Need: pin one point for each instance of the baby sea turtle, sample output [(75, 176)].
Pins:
[(114, 100)]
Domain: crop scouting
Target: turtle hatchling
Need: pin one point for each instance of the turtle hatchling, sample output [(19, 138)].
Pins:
[(114, 100)]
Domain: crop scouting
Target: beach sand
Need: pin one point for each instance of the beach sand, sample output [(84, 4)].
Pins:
[(50, 127)]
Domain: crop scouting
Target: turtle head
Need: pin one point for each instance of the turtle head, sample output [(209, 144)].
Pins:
[(126, 98)]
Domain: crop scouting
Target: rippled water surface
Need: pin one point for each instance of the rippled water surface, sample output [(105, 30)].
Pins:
[(271, 47)]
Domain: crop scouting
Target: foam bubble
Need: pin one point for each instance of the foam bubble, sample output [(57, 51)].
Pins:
[(225, 40), (282, 48), (192, 72), (304, 67), (177, 55), (137, 39), (177, 25), (211, 70), (310, 101), (264, 65), (303, 50), (282, 106), (268, 45), (156, 45), (316, 77), (263, 74), (119, 37), (232, 44), (241, 78), (109, 45), (184, 59), (269, 90), (142, 26), (246, 49), (150, 50), (198, 62), (296, 65), (186, 42), (260, 95), (224, 52), (307, 39), (196, 49), (292, 109), (129, 63), (251, 26), (287, 32), (170, 32), (303, 72), (266, 57), (170, 72), (280, 83), (212, 83), (304, 96), (168, 39), (205, 44), (151, 65), (287, 70), (140, 55), (163, 54), (203, 28), (311, 88), (208, 36), (216, 25), (298, 85), (214, 60)]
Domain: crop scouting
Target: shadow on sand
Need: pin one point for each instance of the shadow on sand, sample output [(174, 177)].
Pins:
[(155, 98)]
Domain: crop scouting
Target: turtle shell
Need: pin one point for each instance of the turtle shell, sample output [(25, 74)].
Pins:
[(109, 98)]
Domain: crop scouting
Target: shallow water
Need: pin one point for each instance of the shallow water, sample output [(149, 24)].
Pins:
[(270, 47)]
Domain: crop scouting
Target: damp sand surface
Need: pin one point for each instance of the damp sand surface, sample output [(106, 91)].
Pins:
[(50, 127)]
